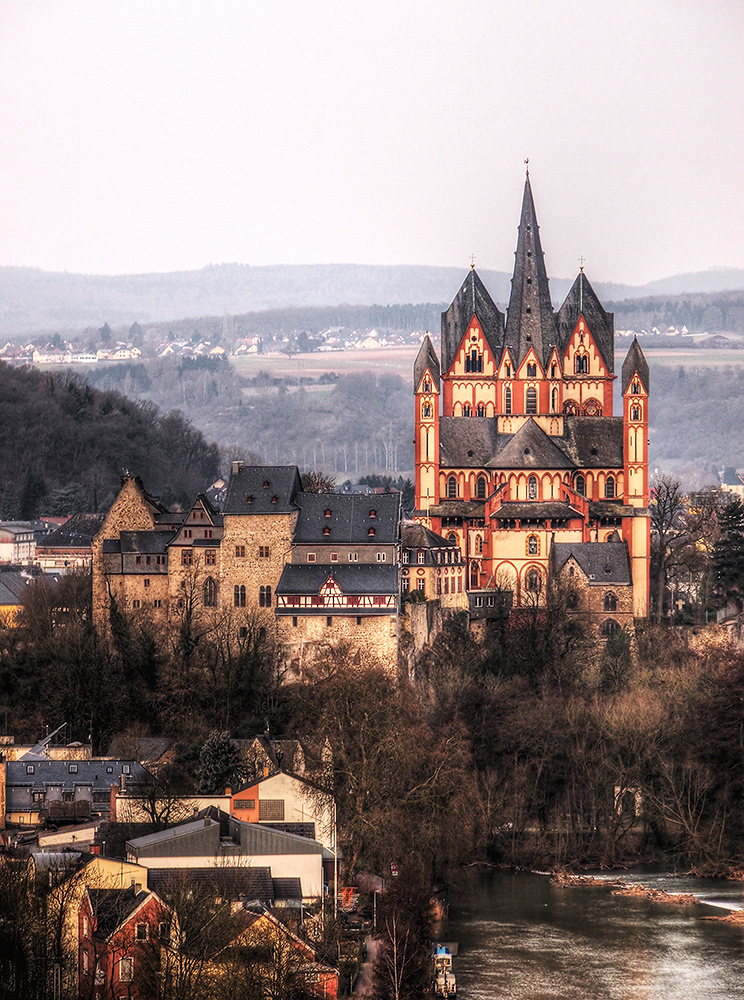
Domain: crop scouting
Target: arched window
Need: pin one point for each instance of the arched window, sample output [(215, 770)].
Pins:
[(264, 597), (610, 488), (426, 410), (507, 400), (581, 364), (532, 488), (474, 575), (554, 401), (533, 545), (572, 600), (210, 593), (452, 537), (239, 596), (610, 602), (635, 389), (533, 581), (552, 371), (531, 400), (571, 408), (609, 627), (466, 411), (592, 408), (427, 386), (480, 488), (474, 361), (531, 370), (452, 488), (580, 485), (480, 410), (635, 413)]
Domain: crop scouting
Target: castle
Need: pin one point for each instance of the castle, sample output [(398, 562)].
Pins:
[(519, 458)]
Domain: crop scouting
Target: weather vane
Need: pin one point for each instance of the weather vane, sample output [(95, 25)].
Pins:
[(472, 261), (581, 263), (527, 166)]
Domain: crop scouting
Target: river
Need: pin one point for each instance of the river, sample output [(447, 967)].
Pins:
[(522, 938)]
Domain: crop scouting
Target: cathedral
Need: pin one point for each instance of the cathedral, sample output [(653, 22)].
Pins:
[(520, 460)]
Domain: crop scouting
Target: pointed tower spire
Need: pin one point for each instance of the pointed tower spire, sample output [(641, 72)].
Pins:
[(530, 322)]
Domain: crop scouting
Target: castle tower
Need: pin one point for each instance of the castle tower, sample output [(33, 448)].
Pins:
[(426, 377), (635, 386)]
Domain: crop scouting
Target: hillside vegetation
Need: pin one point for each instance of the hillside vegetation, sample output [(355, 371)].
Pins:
[(65, 446)]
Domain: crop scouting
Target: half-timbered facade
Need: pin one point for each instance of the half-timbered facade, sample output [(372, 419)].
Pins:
[(516, 444)]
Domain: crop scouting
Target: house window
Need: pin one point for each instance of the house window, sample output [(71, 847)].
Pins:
[(239, 596), (466, 411), (382, 557), (29, 768), (157, 603), (334, 556), (294, 622), (147, 583), (353, 557), (371, 531), (532, 488), (405, 585), (72, 769), (531, 400), (452, 488), (480, 488), (533, 545), (421, 585), (187, 533), (207, 532), (329, 621), (126, 970), (326, 531), (147, 560), (264, 552), (610, 488), (210, 557), (39, 798), (136, 604), (311, 557), (480, 410), (531, 370), (125, 768), (610, 602), (359, 619), (140, 932), (507, 400), (264, 597), (421, 557), (373, 513), (210, 593), (109, 770), (240, 551), (405, 556), (187, 557), (138, 560)]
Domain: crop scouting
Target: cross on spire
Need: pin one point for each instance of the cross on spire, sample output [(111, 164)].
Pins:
[(527, 166), (581, 263), (472, 261)]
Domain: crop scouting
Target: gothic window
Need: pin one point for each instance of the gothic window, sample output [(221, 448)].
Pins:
[(478, 545), (554, 401), (452, 537), (508, 371), (592, 408), (532, 488), (531, 400), (187, 557), (571, 408), (533, 581), (480, 410), (480, 489), (239, 596), (533, 545), (635, 389), (427, 386), (474, 361), (426, 410), (507, 400), (609, 627), (552, 371), (582, 364), (635, 413), (580, 485), (452, 488), (466, 411), (610, 602), (474, 575), (210, 593), (264, 597), (531, 370), (610, 488)]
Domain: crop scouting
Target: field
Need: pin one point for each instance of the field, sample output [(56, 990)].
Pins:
[(385, 360)]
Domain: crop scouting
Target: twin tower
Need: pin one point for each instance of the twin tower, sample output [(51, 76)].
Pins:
[(519, 458)]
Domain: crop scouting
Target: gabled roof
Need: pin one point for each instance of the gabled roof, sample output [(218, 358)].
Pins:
[(77, 532), (582, 300), (350, 519), (12, 588), (467, 442), (426, 358), (263, 489), (87, 772), (531, 448), (601, 562), (594, 442), (635, 361), (542, 510), (113, 907), (417, 536), (352, 578), (167, 841), (472, 298), (530, 322), (254, 882), (152, 542)]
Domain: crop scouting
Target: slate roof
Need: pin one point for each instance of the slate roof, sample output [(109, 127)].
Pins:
[(287, 888), (472, 298), (426, 358), (417, 536), (57, 772), (530, 321), (635, 361), (12, 587), (350, 519), (582, 300), (535, 509), (151, 542), (255, 882), (352, 578), (77, 532), (530, 448), (248, 494), (172, 834), (459, 436), (150, 748), (459, 508), (258, 839), (607, 562), (594, 442), (111, 907)]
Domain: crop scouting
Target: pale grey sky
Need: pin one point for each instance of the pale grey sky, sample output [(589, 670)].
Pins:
[(149, 135)]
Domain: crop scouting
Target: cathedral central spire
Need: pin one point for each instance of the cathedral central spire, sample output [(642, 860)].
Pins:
[(530, 321)]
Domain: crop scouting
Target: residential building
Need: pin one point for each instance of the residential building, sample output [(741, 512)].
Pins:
[(70, 546)]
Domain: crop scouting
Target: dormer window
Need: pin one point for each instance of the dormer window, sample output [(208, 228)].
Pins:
[(373, 513), (326, 531), (266, 484), (371, 531), (327, 512), (274, 499), (249, 499)]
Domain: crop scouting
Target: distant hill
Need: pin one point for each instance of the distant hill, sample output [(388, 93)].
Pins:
[(32, 300)]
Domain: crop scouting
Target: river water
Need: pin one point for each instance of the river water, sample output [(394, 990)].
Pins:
[(522, 938)]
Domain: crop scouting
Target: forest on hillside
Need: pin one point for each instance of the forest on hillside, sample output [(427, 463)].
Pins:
[(65, 446)]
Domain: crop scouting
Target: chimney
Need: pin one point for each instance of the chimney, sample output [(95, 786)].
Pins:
[(266, 771), (114, 793), (236, 467), (228, 791)]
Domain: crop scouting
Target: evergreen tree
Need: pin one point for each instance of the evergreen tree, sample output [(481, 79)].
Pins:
[(219, 762), (728, 553)]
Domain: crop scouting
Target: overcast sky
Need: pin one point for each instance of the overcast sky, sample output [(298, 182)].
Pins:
[(147, 135)]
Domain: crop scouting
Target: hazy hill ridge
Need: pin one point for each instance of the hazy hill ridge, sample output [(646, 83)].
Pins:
[(33, 300)]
